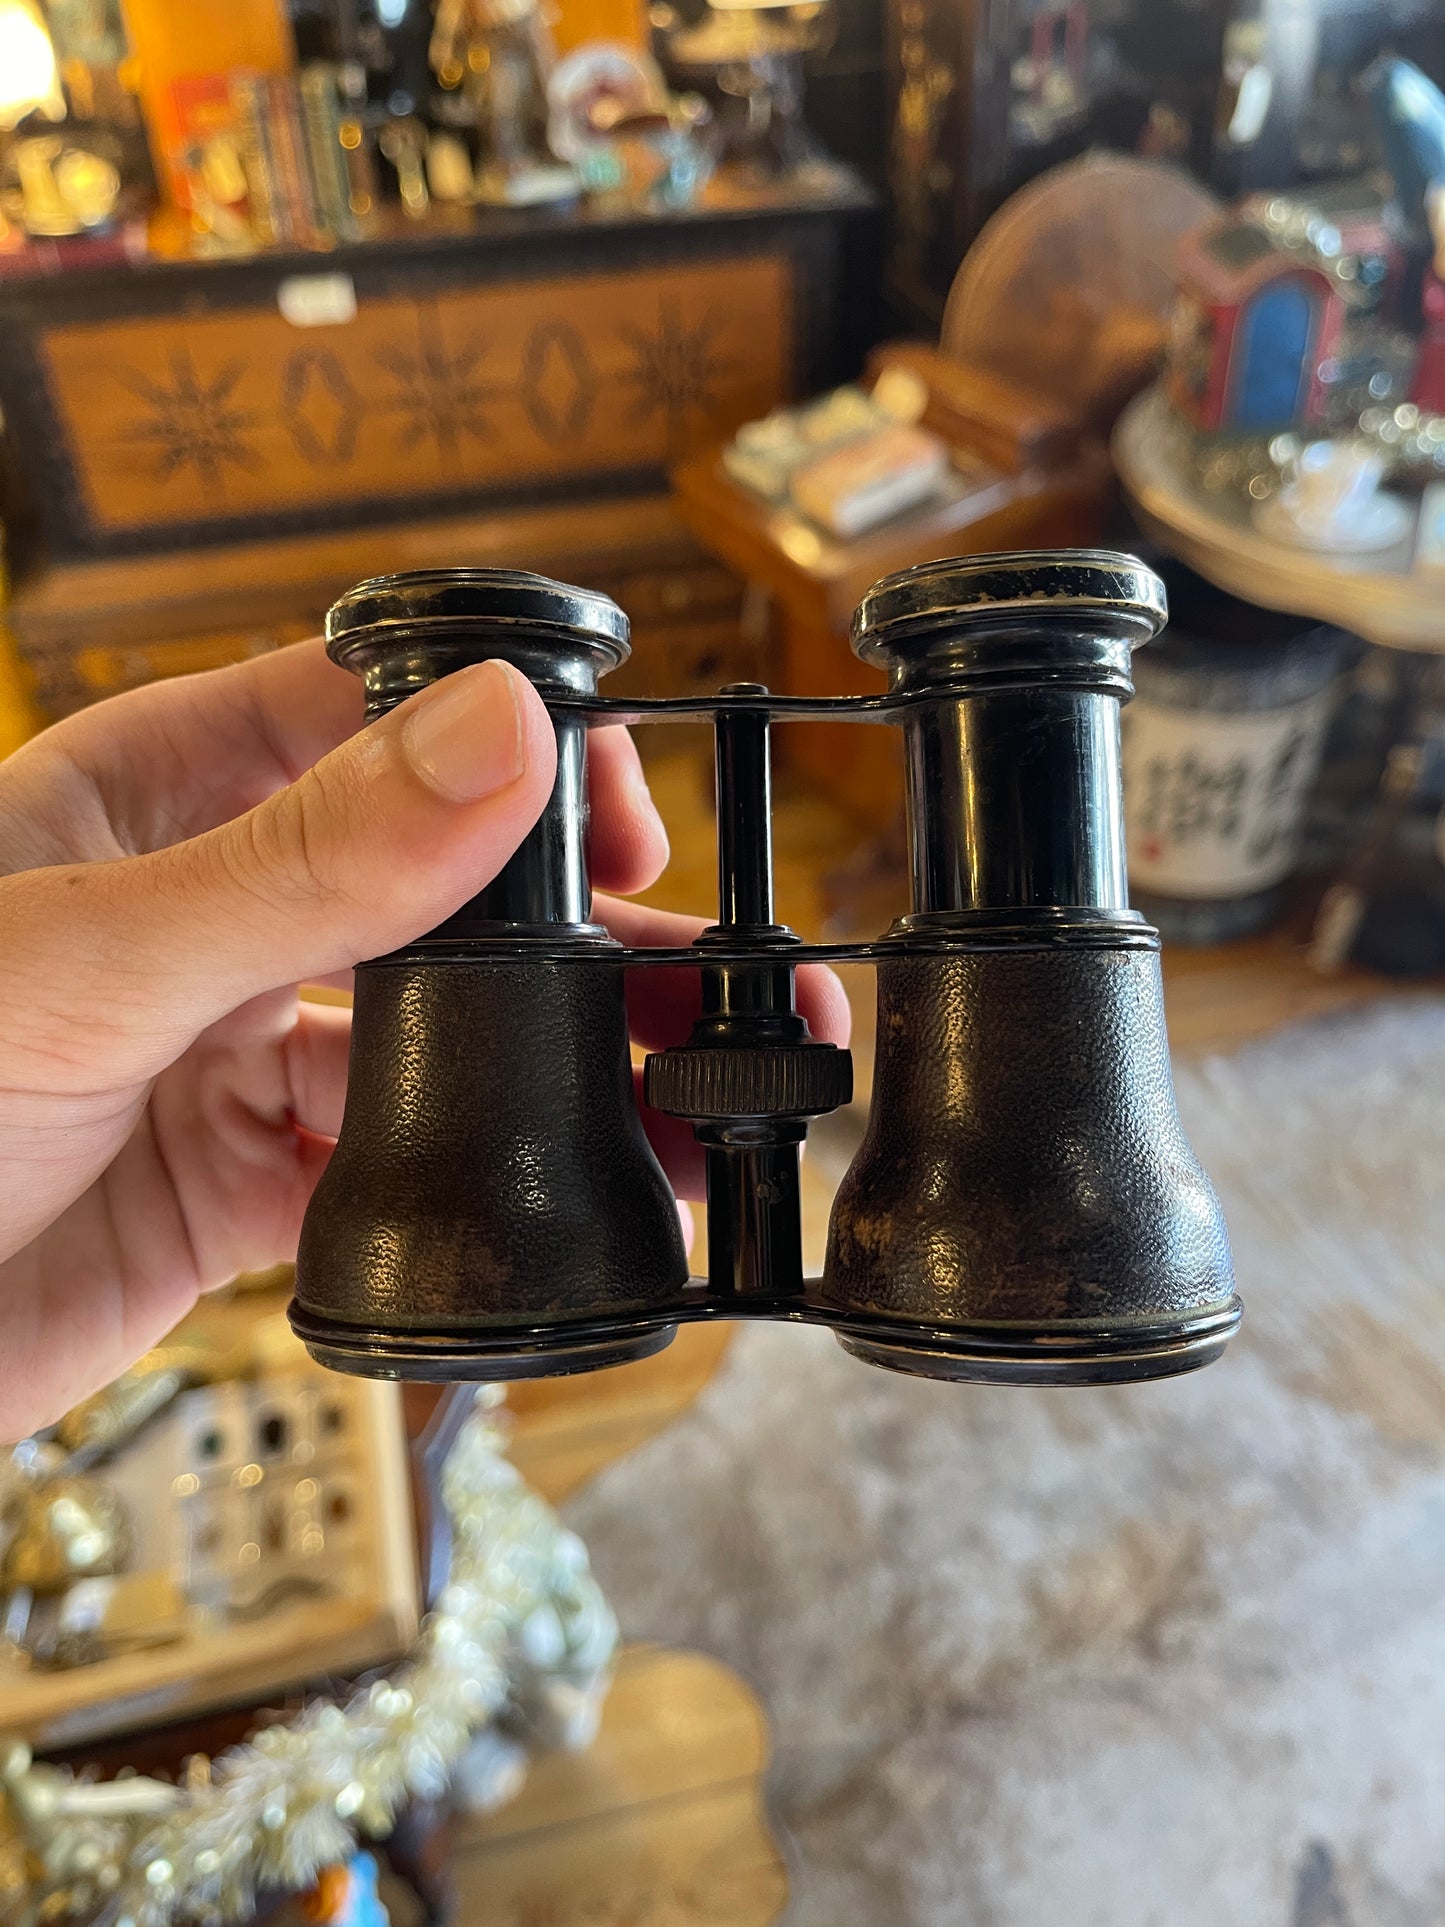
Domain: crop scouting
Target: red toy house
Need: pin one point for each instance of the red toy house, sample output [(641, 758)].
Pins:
[(1253, 328)]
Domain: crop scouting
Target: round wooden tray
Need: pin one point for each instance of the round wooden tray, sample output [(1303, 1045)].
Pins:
[(1381, 597)]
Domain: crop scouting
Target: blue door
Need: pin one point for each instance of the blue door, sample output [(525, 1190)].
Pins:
[(1270, 355)]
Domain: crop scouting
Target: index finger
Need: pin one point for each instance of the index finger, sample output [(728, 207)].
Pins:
[(627, 842)]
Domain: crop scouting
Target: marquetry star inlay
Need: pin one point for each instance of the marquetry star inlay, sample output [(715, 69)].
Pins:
[(440, 396), (193, 424), (674, 369)]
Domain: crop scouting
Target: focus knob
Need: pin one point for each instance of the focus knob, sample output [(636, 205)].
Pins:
[(760, 1080)]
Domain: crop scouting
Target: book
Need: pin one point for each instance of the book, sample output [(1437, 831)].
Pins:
[(870, 480), (326, 160), (288, 160), (264, 203)]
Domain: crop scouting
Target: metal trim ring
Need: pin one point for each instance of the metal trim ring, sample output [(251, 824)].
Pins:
[(1114, 594), (426, 600)]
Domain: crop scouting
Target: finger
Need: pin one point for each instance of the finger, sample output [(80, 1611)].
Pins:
[(678, 1151), (159, 764), (663, 1005), (824, 1002), (640, 924), (372, 847), (627, 843), (317, 1053), (689, 1225)]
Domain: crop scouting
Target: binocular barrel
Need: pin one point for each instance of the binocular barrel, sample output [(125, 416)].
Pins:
[(492, 1181), (1024, 1206), (1012, 775), (1024, 1203)]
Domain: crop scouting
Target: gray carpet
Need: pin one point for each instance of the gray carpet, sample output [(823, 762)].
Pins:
[(1167, 1656)]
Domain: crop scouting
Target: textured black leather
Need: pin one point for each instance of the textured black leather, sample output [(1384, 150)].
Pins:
[(1024, 1162), (492, 1168)]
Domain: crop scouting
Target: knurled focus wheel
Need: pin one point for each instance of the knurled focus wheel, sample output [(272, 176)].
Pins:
[(766, 1080)]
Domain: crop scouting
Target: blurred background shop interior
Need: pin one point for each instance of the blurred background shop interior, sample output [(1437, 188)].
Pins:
[(729, 308)]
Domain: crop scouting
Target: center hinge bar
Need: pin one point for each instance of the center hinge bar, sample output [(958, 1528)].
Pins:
[(750, 1075)]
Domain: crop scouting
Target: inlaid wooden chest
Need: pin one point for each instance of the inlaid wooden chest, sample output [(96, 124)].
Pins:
[(175, 402), (266, 430)]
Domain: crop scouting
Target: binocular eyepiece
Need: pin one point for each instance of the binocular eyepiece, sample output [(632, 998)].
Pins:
[(1024, 1207)]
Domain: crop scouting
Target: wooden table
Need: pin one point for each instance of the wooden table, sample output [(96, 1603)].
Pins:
[(815, 582), (660, 1824), (1218, 1000)]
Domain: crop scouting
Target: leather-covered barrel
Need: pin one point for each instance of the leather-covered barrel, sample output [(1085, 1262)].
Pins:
[(492, 1193), (1025, 1206)]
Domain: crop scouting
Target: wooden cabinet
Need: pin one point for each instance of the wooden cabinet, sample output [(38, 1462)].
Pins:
[(212, 451), (531, 357), (815, 581)]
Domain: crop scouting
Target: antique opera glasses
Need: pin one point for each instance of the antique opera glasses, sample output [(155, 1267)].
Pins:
[(1024, 1207)]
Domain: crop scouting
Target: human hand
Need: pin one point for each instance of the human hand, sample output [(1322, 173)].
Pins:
[(173, 864)]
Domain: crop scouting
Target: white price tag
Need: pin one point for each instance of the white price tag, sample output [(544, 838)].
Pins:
[(317, 300)]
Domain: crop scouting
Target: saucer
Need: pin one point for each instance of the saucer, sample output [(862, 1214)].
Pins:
[(1379, 525)]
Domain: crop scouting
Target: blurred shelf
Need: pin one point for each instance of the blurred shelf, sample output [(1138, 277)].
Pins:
[(446, 232)]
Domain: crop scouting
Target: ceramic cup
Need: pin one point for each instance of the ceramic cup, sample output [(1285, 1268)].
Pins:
[(1334, 483)]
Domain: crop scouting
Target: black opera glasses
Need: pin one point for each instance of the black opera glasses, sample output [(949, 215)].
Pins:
[(1024, 1207)]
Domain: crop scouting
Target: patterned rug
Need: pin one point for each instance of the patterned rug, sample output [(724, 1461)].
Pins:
[(1164, 1656)]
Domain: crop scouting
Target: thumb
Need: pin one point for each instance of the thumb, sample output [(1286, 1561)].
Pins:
[(370, 848)]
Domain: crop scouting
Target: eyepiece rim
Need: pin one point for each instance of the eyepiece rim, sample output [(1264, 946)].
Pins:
[(1106, 590), (438, 599)]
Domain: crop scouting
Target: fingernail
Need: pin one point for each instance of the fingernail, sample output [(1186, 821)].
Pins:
[(643, 803), (463, 736)]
